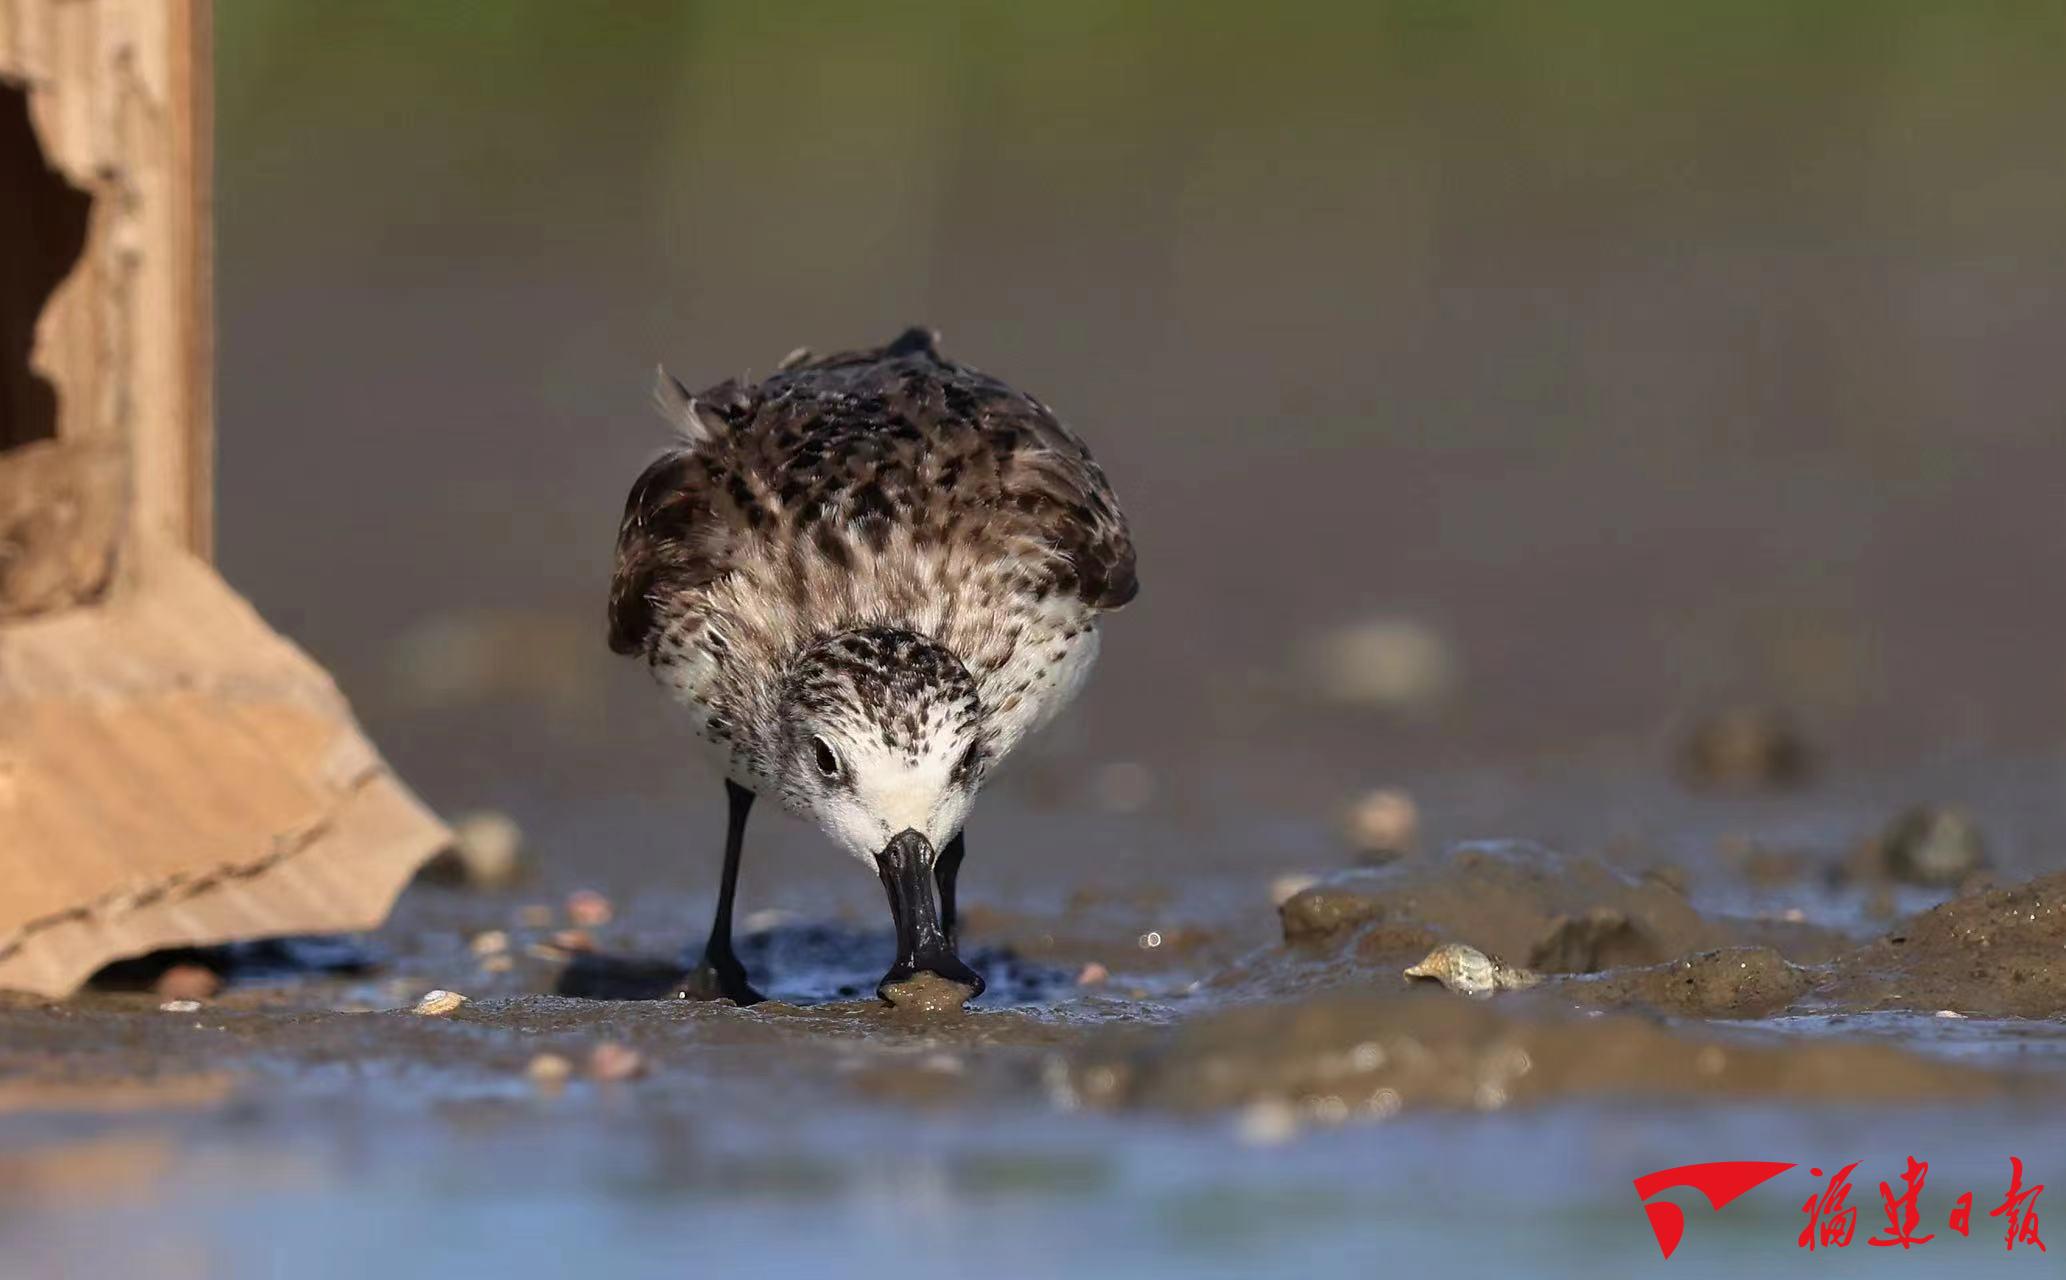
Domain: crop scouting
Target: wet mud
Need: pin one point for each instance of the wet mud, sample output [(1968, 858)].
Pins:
[(1607, 939), (1728, 982), (1514, 900), (1373, 1054), (1623, 988), (1993, 953), (1144, 1029), (1637, 992)]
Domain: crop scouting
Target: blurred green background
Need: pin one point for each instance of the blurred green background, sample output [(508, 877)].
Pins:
[(1642, 357)]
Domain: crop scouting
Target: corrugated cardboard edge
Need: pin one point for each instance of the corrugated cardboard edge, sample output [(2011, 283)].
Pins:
[(174, 773)]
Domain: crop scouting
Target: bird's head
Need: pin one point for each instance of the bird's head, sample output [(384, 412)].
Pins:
[(881, 732), (883, 742)]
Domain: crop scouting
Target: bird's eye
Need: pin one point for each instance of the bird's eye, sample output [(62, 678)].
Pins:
[(828, 759)]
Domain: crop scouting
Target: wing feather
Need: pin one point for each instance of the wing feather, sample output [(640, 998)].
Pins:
[(839, 451)]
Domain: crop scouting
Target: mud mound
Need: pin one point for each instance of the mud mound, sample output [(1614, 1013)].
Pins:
[(2001, 952), (1731, 982), (1512, 899)]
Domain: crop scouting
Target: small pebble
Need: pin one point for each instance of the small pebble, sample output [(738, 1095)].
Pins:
[(1384, 663), (1746, 748), (1383, 824), (610, 1061), (180, 1006), (436, 1004), (493, 942), (574, 940), (1470, 972), (588, 909), (927, 993), (1267, 1123), (498, 964), (1092, 974), (486, 852), (1933, 846), (1949, 1013), (1101, 1083), (549, 1070), (188, 982)]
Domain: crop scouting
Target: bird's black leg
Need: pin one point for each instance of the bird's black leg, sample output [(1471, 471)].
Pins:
[(945, 870), (721, 974)]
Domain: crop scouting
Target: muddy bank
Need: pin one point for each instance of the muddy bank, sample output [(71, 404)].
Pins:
[(1729, 982), (1527, 905), (1998, 952), (1621, 975), (1607, 939), (1374, 1054), (1639, 993)]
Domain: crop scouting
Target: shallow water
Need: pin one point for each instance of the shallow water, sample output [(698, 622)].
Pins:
[(1021, 1194)]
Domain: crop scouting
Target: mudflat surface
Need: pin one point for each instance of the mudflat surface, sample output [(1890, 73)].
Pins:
[(1208, 1066)]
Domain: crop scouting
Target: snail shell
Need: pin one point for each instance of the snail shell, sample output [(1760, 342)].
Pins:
[(1470, 972)]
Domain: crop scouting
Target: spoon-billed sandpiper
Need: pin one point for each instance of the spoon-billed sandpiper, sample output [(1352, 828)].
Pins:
[(867, 577)]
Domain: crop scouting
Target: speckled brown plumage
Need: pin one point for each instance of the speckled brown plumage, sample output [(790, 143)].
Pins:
[(842, 450), (865, 579), (882, 489)]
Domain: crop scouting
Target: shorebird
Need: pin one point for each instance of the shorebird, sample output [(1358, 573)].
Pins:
[(867, 577)]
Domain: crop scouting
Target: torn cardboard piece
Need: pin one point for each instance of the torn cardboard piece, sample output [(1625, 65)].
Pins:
[(174, 773), (171, 771)]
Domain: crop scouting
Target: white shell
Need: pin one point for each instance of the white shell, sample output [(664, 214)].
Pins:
[(436, 1004), (1470, 972)]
